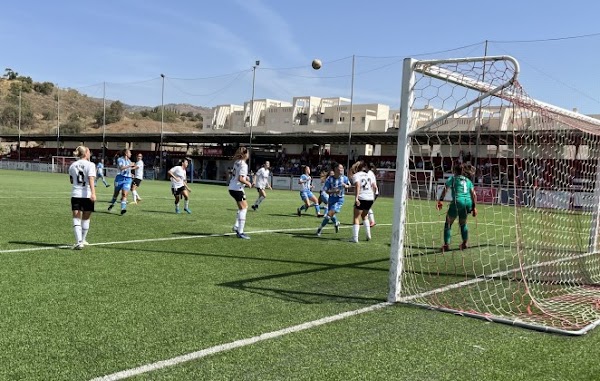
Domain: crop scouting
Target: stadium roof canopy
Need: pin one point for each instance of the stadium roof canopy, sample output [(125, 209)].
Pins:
[(320, 138)]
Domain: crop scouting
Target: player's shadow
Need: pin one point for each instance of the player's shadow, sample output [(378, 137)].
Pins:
[(161, 212), (295, 215), (199, 234), (43, 244)]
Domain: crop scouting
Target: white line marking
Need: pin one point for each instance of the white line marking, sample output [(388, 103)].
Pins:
[(235, 344), (166, 239)]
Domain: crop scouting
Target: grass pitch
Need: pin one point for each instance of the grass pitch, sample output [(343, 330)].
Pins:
[(154, 285)]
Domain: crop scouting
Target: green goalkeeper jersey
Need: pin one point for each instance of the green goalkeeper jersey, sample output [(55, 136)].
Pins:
[(461, 188)]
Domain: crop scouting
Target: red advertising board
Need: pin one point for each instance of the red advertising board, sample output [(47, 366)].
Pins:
[(486, 195)]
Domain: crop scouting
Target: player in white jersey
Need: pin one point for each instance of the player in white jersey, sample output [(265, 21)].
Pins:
[(138, 176), (261, 181), (239, 180), (371, 173), (83, 194), (100, 173), (179, 187), (123, 180), (364, 197)]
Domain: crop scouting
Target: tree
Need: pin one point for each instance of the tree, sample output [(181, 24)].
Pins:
[(114, 113), (10, 74)]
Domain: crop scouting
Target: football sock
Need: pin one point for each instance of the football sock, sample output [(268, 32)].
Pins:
[(187, 204), (242, 220), (371, 216), (318, 208), (135, 195), (367, 225), (325, 221), (464, 232), (85, 227), (334, 219), (237, 221), (259, 200), (447, 231), (123, 204), (355, 230), (77, 229), (112, 202)]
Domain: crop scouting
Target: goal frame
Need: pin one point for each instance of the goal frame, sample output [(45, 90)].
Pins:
[(401, 190), (57, 167)]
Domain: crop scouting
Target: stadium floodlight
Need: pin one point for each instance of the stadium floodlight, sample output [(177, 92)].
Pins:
[(254, 67), (162, 122), (531, 255), (351, 116)]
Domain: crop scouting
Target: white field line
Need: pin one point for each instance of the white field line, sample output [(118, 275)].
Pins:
[(54, 247), (235, 344)]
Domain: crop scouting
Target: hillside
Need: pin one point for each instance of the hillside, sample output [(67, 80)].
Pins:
[(82, 114)]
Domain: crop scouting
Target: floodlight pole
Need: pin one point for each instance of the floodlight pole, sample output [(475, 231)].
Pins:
[(256, 64), (19, 147), (57, 120), (162, 121), (103, 120), (351, 110)]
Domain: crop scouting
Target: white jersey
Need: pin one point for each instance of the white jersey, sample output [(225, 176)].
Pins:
[(366, 187), (240, 168), (262, 178), (179, 177), (373, 180), (80, 172), (139, 171)]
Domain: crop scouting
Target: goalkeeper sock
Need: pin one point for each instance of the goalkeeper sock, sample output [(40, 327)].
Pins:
[(464, 232), (447, 231)]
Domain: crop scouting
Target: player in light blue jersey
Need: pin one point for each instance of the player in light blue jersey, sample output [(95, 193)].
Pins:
[(306, 193), (335, 186), (123, 180), (323, 196), (463, 202), (100, 173)]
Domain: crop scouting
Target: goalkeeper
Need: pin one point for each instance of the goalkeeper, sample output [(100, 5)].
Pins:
[(463, 203)]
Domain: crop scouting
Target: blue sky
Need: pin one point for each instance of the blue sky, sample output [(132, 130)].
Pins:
[(206, 49)]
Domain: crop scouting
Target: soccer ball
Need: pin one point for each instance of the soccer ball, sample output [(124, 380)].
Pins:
[(316, 64)]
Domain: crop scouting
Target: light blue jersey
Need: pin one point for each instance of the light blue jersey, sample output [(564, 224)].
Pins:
[(124, 162), (123, 179), (100, 169), (336, 189)]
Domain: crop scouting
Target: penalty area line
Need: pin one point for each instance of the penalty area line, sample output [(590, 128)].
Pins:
[(56, 247), (236, 344)]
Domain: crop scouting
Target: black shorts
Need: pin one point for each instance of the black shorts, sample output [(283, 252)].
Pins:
[(82, 204), (178, 191), (237, 195), (137, 182), (364, 205), (260, 189)]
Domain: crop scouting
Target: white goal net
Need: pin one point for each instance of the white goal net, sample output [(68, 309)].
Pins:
[(531, 255), (61, 164)]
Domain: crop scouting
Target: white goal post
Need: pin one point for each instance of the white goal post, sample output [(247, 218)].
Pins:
[(531, 256), (61, 164)]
